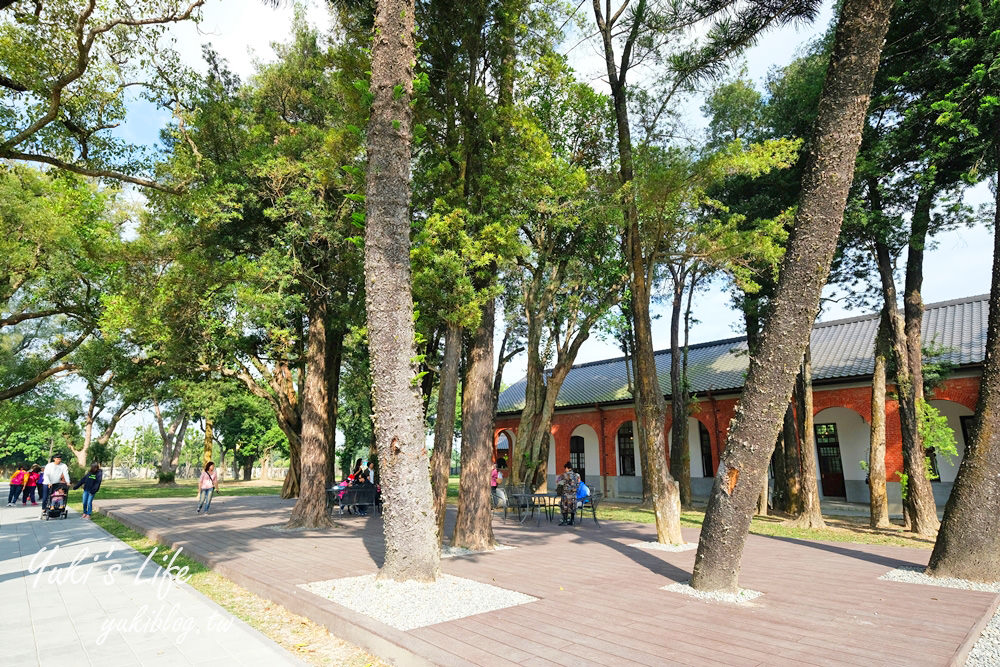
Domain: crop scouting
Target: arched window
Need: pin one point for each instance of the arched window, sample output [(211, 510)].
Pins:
[(576, 458), (706, 451), (503, 447), (626, 451)]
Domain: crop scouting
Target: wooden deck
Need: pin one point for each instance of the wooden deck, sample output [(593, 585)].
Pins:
[(599, 598)]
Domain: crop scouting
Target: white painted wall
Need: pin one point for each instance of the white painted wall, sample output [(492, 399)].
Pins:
[(854, 434), (953, 411)]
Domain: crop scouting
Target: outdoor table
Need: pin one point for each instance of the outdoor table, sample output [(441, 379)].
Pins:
[(525, 505)]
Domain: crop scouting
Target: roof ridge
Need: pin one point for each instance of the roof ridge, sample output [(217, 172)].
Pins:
[(927, 306), (818, 325)]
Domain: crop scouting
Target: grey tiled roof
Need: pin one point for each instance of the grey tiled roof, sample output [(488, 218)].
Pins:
[(840, 349)]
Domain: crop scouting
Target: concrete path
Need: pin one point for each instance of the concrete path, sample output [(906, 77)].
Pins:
[(600, 600), (74, 595)]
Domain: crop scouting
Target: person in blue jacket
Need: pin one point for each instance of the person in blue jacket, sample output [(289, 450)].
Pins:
[(91, 483)]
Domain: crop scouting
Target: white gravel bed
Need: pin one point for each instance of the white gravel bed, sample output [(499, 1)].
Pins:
[(448, 551), (742, 597), (915, 575), (986, 652), (658, 546), (406, 605)]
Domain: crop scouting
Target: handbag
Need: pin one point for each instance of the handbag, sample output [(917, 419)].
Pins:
[(559, 489)]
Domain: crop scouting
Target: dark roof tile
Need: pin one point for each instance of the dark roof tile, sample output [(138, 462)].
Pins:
[(840, 349)]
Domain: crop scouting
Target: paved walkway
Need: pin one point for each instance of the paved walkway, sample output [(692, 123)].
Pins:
[(91, 602), (600, 600)]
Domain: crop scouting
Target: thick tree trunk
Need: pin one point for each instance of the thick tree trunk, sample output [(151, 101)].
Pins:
[(919, 508), (793, 465), (680, 455), (827, 180), (412, 550), (247, 471), (968, 544), (812, 513), (474, 522), (310, 509), (879, 501), (444, 425)]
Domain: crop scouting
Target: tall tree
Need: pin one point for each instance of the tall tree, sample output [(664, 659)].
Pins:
[(879, 501), (644, 29), (411, 550), (861, 31), (968, 544)]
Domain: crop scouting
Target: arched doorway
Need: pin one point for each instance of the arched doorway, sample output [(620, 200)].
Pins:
[(629, 480), (505, 444), (842, 444), (585, 453)]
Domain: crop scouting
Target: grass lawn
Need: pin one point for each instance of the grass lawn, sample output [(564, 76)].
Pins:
[(839, 528), (300, 636), (114, 489)]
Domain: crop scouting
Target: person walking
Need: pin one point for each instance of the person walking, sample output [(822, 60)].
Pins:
[(567, 484), (497, 492), (32, 482), (54, 473), (17, 482), (207, 485), (91, 483)]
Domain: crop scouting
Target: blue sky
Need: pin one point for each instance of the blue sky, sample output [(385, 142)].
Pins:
[(958, 265)]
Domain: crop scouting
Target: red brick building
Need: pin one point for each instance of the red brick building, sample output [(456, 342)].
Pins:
[(593, 421)]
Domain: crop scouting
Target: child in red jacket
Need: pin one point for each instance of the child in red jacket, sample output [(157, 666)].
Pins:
[(16, 483), (31, 484)]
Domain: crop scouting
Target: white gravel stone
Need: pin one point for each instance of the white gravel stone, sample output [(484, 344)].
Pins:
[(406, 605), (915, 575), (742, 597), (448, 551), (658, 546)]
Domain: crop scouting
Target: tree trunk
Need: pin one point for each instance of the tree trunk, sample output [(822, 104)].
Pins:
[(919, 508), (474, 522), (762, 498), (680, 455), (968, 544), (826, 182), (290, 485), (812, 513), (207, 449), (444, 425), (920, 493), (649, 411), (412, 550), (793, 465), (310, 509), (334, 358), (879, 501)]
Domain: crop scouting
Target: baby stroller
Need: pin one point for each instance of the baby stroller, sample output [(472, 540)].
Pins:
[(57, 502)]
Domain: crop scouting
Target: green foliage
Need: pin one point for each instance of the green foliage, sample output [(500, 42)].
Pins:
[(935, 433), (71, 71)]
